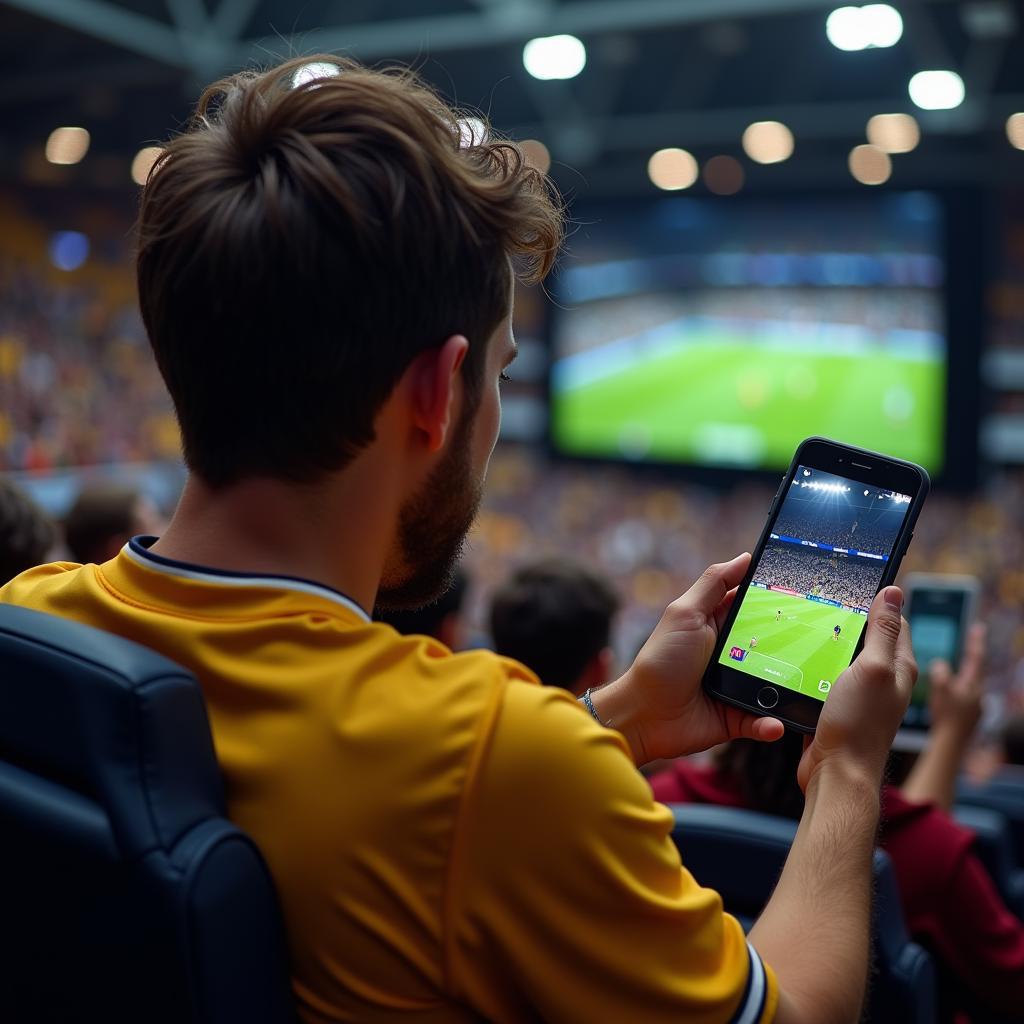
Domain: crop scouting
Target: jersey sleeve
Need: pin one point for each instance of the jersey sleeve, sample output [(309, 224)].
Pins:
[(567, 898)]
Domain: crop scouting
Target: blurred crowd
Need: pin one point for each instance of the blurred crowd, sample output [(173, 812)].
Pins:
[(842, 525), (652, 535)]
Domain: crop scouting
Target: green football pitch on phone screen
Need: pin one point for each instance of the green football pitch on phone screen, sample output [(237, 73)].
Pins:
[(796, 648)]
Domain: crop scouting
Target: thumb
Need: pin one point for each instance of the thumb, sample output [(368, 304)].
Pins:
[(715, 583), (885, 624)]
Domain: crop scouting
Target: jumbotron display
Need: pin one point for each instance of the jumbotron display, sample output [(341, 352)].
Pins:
[(723, 332)]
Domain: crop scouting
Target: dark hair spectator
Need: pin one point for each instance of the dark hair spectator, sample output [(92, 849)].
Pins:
[(555, 616), (441, 619), (950, 903), (1013, 740), (103, 518), (26, 532)]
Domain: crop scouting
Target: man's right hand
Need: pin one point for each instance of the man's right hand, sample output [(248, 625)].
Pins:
[(867, 703)]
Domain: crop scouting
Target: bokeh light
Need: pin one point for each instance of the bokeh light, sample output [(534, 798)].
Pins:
[(893, 133), (67, 145), (143, 163), (312, 71), (68, 249), (937, 90), (672, 169), (861, 28), (472, 132), (1015, 130), (870, 165), (552, 57), (537, 154), (768, 142), (724, 175)]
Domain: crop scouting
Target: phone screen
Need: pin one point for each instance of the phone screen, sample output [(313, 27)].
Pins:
[(802, 616), (936, 624)]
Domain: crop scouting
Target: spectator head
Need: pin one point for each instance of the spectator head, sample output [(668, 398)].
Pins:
[(441, 619), (555, 616), (27, 534), (318, 235), (104, 517), (765, 773), (1013, 740)]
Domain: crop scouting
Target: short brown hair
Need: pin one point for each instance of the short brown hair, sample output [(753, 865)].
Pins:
[(305, 240), (27, 533), (101, 511), (554, 616)]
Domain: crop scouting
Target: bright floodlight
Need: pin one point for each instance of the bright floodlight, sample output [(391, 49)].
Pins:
[(472, 132), (893, 133), (1015, 130), (768, 142), (67, 145), (312, 71), (672, 169), (143, 163), (869, 165), (937, 90), (861, 28), (549, 57)]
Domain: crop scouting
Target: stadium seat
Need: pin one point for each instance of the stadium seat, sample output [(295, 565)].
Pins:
[(993, 845), (1006, 799), (741, 854), (126, 894)]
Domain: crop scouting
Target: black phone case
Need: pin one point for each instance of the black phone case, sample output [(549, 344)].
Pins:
[(809, 705)]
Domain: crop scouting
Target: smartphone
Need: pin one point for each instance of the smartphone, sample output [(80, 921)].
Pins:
[(837, 531), (939, 610)]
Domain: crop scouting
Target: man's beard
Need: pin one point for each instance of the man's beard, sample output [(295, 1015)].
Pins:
[(432, 528)]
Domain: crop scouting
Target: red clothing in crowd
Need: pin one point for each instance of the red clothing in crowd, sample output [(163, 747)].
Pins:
[(949, 901)]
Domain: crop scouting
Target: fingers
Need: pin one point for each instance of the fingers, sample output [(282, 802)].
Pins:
[(742, 725), (974, 650), (940, 673), (718, 579), (723, 608), (885, 624)]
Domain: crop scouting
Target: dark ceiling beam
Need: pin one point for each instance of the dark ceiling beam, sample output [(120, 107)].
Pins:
[(114, 24), (515, 21)]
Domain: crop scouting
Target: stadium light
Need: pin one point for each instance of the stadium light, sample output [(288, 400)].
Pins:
[(143, 163), (472, 132), (937, 90), (312, 71), (869, 165), (67, 145), (68, 250), (893, 133), (768, 142), (1015, 130), (554, 57), (672, 169), (872, 26)]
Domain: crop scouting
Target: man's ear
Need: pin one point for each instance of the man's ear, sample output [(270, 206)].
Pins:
[(435, 388)]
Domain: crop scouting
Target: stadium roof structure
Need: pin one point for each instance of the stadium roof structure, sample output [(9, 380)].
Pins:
[(659, 73)]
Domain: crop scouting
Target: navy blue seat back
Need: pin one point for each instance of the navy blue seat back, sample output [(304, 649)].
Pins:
[(1004, 796), (741, 855), (126, 894), (993, 845)]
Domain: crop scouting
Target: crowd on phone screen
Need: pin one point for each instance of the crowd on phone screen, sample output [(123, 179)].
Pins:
[(846, 526), (843, 578)]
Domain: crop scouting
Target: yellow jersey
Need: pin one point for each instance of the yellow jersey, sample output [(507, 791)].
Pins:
[(450, 841)]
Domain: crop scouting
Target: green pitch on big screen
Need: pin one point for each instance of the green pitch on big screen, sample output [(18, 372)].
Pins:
[(807, 605)]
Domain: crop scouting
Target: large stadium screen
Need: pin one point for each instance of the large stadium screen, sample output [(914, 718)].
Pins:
[(723, 332), (807, 605)]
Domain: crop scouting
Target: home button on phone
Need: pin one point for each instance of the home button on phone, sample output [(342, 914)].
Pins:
[(767, 696)]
